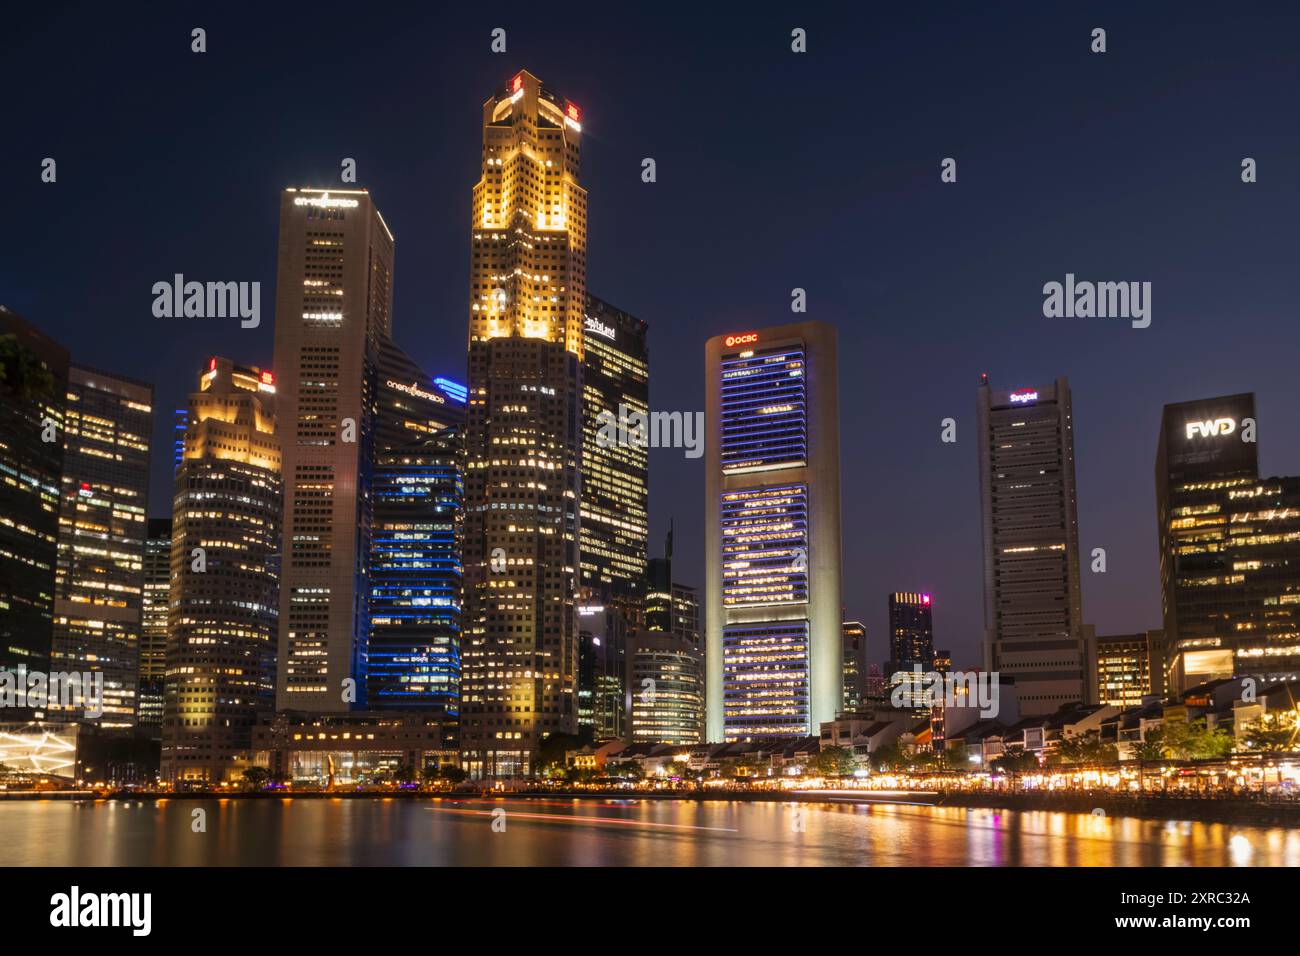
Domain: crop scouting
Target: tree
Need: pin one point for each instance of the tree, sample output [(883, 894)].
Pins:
[(454, 775), (1016, 760), (1274, 732), (954, 756), (255, 778), (833, 762)]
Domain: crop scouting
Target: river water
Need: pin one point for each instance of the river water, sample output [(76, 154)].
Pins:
[(562, 831)]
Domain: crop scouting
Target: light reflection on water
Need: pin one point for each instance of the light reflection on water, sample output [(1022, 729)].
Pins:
[(558, 831)]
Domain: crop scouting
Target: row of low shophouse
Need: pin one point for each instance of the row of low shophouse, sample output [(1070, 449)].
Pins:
[(1232, 705)]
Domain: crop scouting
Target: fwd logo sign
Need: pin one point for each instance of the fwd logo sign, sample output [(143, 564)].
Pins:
[(1219, 426)]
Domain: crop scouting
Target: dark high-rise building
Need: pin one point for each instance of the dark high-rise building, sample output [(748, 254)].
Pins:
[(665, 689), (99, 585), (416, 576), (772, 510), (602, 670), (225, 577), (33, 388), (333, 310), (153, 624), (855, 664), (528, 296), (671, 606), (1033, 613), (615, 475), (1229, 548), (911, 643)]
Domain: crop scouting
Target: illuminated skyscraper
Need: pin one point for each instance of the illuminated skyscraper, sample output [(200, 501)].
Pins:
[(665, 689), (615, 476), (99, 586), (602, 670), (1032, 607), (225, 567), (911, 643), (1126, 665), (415, 565), (333, 309), (153, 622), (855, 665), (772, 510), (33, 389), (524, 435), (1229, 548)]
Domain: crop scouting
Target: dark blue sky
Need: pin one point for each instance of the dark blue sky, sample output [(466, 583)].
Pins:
[(775, 170)]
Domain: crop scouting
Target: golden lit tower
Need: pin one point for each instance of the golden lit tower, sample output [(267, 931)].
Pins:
[(225, 576), (523, 438)]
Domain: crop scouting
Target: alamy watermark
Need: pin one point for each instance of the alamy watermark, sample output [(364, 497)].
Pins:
[(208, 300), (1102, 300), (922, 688), (635, 429), (66, 690)]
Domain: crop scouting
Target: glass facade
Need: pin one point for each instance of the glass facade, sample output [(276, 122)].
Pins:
[(766, 679), (765, 547), (764, 410), (416, 577)]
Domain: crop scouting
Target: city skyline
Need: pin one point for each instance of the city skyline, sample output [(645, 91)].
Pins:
[(1121, 378)]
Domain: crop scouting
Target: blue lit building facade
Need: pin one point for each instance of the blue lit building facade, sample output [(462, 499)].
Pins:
[(773, 553), (415, 568)]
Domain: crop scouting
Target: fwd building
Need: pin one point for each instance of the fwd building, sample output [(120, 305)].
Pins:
[(772, 514), (1229, 548)]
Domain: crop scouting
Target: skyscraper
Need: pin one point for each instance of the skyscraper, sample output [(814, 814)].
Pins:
[(603, 632), (524, 435), (615, 476), (99, 586), (153, 623), (671, 606), (1032, 606), (665, 689), (1126, 664), (911, 643), (1229, 548), (855, 665), (32, 394), (225, 576), (333, 309), (772, 510)]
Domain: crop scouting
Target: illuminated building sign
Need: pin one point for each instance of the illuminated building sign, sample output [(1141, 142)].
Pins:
[(598, 327), (325, 201), (1210, 429), (573, 112), (765, 547), (745, 338), (1024, 396), (518, 84), (456, 390), (414, 390), (764, 410)]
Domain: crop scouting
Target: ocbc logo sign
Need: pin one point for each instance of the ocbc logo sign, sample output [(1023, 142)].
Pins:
[(747, 338)]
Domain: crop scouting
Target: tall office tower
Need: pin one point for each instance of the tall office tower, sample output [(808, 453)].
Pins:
[(1229, 548), (225, 565), (855, 664), (1126, 664), (911, 644), (602, 670), (772, 510), (665, 689), (333, 308), (615, 475), (523, 439), (415, 564), (154, 613), (32, 391), (1032, 608), (670, 605), (99, 584)]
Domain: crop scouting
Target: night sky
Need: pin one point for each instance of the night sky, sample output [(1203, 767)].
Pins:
[(775, 170)]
